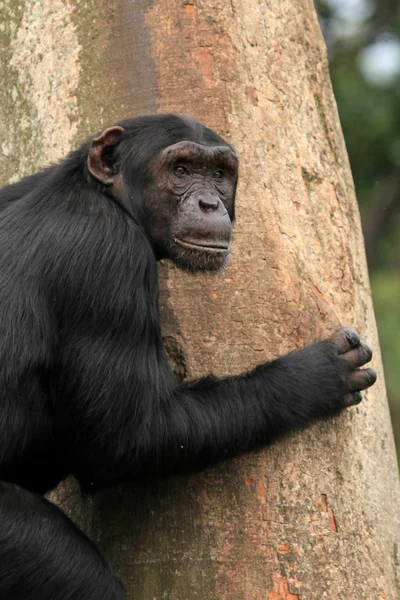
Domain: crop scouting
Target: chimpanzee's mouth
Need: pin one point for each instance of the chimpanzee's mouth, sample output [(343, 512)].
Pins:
[(203, 245)]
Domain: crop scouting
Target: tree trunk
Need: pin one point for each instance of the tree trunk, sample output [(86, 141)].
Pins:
[(316, 515)]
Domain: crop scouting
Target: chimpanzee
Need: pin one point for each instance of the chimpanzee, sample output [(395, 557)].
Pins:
[(85, 386)]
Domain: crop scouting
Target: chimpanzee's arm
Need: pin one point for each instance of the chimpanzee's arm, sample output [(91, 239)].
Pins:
[(214, 418), (202, 422)]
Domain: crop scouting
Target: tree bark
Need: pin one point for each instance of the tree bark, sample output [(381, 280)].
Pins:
[(315, 515)]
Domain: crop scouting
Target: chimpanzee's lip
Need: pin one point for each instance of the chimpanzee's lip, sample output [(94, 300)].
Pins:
[(203, 245)]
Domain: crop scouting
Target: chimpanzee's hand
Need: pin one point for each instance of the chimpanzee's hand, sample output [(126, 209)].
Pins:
[(349, 348), (320, 379)]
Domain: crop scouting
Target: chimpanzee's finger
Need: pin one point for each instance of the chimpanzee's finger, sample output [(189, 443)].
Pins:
[(345, 339), (357, 357), (352, 399), (361, 379)]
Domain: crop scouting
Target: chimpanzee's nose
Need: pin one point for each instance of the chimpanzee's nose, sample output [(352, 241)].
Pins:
[(209, 203)]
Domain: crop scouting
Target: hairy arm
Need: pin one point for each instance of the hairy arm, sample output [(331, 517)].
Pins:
[(214, 418)]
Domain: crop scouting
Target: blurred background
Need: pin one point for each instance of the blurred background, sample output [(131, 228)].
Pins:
[(363, 39)]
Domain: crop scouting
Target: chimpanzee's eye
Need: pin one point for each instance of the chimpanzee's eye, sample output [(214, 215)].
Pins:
[(218, 174), (180, 171)]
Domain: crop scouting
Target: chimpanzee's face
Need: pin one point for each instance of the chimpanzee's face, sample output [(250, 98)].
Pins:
[(190, 205), (188, 196)]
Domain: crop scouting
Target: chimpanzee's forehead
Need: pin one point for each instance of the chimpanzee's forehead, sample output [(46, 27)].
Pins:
[(194, 152)]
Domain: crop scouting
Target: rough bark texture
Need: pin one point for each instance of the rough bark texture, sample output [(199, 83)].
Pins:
[(316, 515)]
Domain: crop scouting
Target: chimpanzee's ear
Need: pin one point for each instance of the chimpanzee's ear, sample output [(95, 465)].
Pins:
[(100, 158)]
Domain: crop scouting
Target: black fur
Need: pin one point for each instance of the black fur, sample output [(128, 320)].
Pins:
[(44, 556), (85, 386)]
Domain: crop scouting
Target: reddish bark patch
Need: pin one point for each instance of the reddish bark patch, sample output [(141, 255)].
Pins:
[(324, 507), (261, 492), (283, 592), (248, 480), (190, 9), (283, 548), (332, 521), (206, 63)]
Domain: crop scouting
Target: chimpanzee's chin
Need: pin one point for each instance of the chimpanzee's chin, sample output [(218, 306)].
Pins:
[(195, 261)]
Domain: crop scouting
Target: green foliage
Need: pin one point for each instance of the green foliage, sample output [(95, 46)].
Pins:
[(386, 293)]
